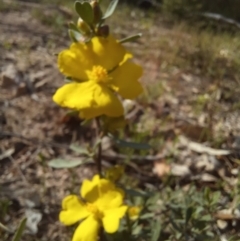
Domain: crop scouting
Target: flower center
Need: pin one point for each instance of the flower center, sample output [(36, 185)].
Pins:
[(94, 210), (98, 74)]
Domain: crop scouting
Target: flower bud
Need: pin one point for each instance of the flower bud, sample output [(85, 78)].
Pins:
[(83, 27), (114, 173), (103, 31), (134, 212), (97, 12)]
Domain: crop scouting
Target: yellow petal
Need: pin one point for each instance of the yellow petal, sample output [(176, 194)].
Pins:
[(90, 98), (75, 61), (105, 186), (73, 210), (109, 196), (90, 113), (89, 189), (109, 51), (87, 230), (112, 218), (93, 191), (126, 57), (125, 80)]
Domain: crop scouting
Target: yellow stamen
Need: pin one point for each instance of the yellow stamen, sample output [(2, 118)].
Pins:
[(94, 210), (98, 74)]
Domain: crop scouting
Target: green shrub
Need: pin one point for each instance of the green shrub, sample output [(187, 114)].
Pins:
[(184, 8), (181, 7)]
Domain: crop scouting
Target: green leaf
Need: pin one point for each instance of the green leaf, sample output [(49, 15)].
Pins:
[(68, 79), (7, 153), (79, 149), (216, 196), (174, 224), (62, 163), (137, 230), (5, 228), (20, 230), (136, 193), (209, 233), (130, 38), (188, 215), (133, 145), (97, 143), (153, 199), (74, 35), (178, 235), (111, 8), (207, 194), (156, 230), (206, 218), (85, 122), (73, 26), (199, 210), (72, 112), (147, 216), (85, 11)]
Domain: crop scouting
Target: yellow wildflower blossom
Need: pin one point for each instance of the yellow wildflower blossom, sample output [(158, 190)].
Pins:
[(133, 212), (114, 173), (98, 69), (102, 205)]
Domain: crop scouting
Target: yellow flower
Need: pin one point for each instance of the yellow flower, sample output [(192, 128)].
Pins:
[(102, 205), (134, 211), (114, 173), (99, 69)]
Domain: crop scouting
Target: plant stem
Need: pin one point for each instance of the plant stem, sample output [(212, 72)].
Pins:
[(98, 158), (129, 225), (101, 234)]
